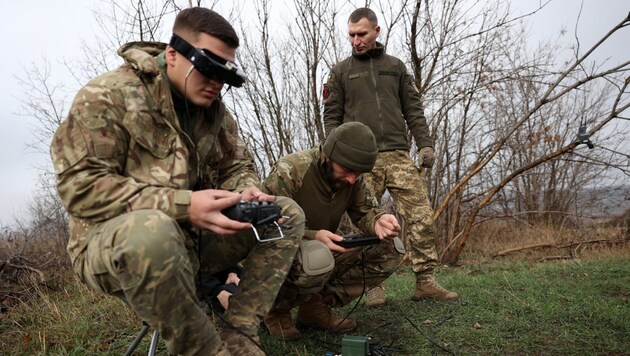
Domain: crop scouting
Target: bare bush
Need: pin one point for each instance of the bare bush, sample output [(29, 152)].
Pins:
[(511, 125), (33, 254)]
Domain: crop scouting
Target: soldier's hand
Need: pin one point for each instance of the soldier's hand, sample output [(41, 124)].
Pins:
[(205, 211), (327, 238), (224, 298), (387, 227), (232, 278), (427, 157), (254, 194)]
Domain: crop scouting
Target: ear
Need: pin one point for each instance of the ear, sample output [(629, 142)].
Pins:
[(378, 30), (170, 56)]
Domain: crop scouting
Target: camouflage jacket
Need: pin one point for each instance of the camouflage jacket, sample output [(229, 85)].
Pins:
[(300, 176), (121, 148), (376, 89)]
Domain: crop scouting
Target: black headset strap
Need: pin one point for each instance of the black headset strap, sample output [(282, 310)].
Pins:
[(187, 50), (183, 47), (208, 63)]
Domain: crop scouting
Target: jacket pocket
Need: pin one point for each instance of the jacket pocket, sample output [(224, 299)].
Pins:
[(151, 153), (154, 138)]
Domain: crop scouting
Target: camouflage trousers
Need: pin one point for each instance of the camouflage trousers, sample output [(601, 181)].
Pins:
[(354, 272), (148, 260), (396, 172)]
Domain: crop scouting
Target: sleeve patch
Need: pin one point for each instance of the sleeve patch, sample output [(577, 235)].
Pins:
[(326, 91)]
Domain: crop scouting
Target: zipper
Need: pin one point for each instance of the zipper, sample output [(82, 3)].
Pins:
[(378, 101)]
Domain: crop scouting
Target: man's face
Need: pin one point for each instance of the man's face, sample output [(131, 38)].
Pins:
[(339, 176), (197, 88), (362, 35)]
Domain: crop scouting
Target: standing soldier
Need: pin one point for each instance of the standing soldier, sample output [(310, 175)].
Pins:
[(146, 161), (374, 88)]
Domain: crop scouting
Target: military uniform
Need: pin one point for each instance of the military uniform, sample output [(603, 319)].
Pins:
[(375, 89), (301, 176), (127, 159)]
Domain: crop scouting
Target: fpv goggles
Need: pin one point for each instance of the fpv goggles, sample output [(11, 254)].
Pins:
[(209, 64)]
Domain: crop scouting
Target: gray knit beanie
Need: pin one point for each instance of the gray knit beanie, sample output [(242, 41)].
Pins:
[(353, 146)]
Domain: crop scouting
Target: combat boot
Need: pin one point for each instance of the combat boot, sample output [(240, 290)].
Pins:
[(375, 296), (317, 314), (239, 344), (429, 288), (280, 325)]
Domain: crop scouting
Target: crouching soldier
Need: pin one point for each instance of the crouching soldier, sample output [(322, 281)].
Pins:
[(326, 182), (146, 161)]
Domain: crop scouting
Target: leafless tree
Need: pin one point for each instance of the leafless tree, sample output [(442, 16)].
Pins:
[(505, 119), (534, 103)]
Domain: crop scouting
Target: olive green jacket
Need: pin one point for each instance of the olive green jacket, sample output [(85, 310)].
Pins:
[(121, 148), (300, 176), (376, 89)]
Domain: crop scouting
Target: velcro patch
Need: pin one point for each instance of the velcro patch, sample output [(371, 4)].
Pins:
[(358, 75)]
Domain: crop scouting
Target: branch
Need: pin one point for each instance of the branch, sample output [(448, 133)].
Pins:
[(501, 142), (549, 244), (514, 215), (41, 274), (500, 24)]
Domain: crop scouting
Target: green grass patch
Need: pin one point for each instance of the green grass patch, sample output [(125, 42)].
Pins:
[(573, 308)]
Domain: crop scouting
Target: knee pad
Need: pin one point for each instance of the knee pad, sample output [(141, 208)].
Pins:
[(315, 257), (399, 245)]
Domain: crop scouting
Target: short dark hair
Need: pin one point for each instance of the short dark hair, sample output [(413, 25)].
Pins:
[(363, 12), (194, 20)]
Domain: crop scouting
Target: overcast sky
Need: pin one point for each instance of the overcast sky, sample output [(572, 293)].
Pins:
[(39, 29)]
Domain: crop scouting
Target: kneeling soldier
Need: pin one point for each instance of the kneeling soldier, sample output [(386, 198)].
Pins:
[(326, 182)]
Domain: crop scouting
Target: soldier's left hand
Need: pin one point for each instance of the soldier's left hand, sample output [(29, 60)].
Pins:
[(328, 238), (232, 278), (427, 157), (387, 227), (224, 298), (254, 194)]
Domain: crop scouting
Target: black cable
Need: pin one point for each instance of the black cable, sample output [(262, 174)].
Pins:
[(199, 237), (242, 333), (362, 291), (377, 350), (326, 344), (185, 91), (379, 327), (428, 338)]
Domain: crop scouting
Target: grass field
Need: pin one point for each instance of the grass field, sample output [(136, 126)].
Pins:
[(516, 307)]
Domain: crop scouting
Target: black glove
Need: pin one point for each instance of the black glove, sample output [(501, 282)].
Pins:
[(214, 301)]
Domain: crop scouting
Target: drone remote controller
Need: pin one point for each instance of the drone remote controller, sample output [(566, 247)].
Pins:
[(258, 213), (350, 241)]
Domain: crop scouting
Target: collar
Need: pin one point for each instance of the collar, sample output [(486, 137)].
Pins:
[(322, 167), (320, 159), (178, 98), (371, 53)]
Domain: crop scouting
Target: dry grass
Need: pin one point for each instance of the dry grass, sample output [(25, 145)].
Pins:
[(29, 264), (71, 320), (546, 241), (46, 311)]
